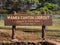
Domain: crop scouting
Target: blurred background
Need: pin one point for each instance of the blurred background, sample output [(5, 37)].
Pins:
[(35, 7)]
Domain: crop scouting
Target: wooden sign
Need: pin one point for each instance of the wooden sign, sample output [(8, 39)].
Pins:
[(28, 20)]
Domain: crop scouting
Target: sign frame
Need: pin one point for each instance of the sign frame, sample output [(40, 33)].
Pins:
[(47, 22)]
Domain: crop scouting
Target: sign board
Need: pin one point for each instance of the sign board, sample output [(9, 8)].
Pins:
[(28, 20)]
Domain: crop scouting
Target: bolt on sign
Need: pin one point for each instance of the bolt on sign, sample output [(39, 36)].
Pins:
[(28, 20)]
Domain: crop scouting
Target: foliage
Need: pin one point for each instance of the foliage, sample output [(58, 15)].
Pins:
[(3, 11), (36, 1), (51, 6), (48, 5), (46, 10), (33, 12), (57, 12), (40, 11)]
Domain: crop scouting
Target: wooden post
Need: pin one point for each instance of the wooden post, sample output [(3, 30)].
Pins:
[(43, 32), (43, 26), (13, 31), (13, 27)]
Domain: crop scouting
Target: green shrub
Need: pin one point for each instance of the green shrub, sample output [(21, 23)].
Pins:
[(51, 6), (38, 12), (46, 10)]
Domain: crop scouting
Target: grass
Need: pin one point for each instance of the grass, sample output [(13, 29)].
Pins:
[(1, 23), (3, 30)]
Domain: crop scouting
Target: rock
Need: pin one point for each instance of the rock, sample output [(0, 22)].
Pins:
[(15, 40)]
